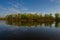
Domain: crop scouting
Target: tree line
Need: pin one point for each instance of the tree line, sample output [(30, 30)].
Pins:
[(33, 17)]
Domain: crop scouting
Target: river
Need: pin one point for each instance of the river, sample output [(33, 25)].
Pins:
[(34, 32)]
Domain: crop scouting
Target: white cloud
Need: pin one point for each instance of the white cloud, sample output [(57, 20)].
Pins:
[(24, 9), (13, 10), (5, 11), (56, 1), (18, 6), (2, 8), (52, 0), (14, 7)]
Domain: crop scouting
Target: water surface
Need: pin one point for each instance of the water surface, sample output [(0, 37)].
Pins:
[(40, 31)]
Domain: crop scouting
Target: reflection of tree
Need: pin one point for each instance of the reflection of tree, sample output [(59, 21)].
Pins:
[(57, 24), (23, 23), (29, 23), (10, 23), (57, 17), (48, 24)]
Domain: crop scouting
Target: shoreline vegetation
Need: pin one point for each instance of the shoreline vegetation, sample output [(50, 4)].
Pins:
[(32, 17)]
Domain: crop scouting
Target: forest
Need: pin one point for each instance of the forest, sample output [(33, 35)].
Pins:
[(26, 17)]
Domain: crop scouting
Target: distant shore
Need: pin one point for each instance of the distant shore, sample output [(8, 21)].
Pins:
[(32, 18)]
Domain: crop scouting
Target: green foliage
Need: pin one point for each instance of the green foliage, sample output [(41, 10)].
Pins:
[(57, 17), (32, 17)]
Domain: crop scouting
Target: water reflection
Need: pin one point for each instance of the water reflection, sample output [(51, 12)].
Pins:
[(20, 32), (30, 24), (46, 24), (57, 24)]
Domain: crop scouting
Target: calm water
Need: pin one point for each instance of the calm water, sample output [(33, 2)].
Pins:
[(41, 31)]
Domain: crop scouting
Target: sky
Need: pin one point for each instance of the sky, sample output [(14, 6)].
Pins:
[(29, 6)]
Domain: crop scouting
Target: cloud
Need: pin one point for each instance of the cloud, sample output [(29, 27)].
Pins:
[(2, 8), (6, 11), (18, 5), (56, 1), (14, 7), (52, 0), (13, 10), (24, 9)]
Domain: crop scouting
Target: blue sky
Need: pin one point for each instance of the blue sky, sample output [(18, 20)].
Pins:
[(29, 6)]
